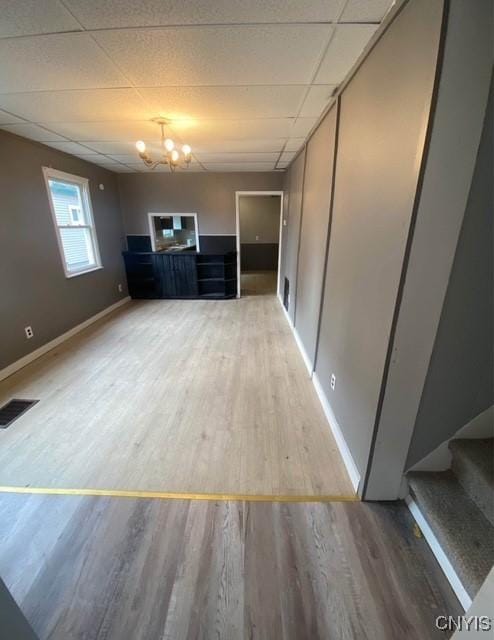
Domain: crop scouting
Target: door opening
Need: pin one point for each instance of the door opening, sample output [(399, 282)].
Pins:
[(259, 220)]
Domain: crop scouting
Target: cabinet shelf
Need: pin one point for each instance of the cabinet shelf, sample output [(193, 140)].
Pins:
[(211, 280), (169, 275)]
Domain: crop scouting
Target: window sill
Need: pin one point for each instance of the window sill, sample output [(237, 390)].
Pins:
[(81, 273)]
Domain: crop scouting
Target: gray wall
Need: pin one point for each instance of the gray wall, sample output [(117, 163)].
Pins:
[(460, 383), (259, 232), (318, 184), (454, 139), (34, 288), (291, 232), (210, 195), (259, 219), (383, 119)]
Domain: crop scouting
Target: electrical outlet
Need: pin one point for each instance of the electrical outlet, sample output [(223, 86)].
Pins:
[(29, 332), (257, 237), (120, 288), (333, 381)]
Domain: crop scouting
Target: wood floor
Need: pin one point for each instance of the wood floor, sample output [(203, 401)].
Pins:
[(126, 569), (175, 396)]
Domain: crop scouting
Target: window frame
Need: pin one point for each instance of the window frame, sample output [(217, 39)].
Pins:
[(87, 210)]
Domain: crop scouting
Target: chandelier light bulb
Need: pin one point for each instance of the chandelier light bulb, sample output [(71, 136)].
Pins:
[(175, 158)]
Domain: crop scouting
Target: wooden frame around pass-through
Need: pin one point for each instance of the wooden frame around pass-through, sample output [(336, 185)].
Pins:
[(238, 195)]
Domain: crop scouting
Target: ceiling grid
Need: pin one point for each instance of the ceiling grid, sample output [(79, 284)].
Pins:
[(242, 83)]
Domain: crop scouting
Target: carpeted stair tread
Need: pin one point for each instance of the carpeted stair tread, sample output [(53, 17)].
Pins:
[(473, 465), (464, 533)]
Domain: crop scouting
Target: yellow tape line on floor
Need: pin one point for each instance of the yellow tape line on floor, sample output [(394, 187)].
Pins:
[(165, 495)]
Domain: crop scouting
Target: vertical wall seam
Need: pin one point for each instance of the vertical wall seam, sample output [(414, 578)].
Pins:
[(299, 232), (330, 224)]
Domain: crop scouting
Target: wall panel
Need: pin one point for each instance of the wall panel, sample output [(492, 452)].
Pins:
[(318, 184), (383, 120)]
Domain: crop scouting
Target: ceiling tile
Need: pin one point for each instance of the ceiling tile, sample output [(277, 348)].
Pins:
[(294, 144), (7, 118), (366, 10), (287, 156), (229, 102), (202, 131), (108, 131), (318, 98), (71, 147), (61, 61), (141, 168), (91, 105), (33, 132), (112, 148), (302, 127), (126, 158), (346, 46), (123, 169), (241, 166), (236, 157), (27, 17), (89, 157), (270, 54), (239, 146), (94, 14)]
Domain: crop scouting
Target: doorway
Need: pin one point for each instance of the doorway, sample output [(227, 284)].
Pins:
[(258, 230)]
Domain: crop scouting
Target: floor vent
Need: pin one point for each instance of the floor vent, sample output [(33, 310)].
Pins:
[(12, 410)]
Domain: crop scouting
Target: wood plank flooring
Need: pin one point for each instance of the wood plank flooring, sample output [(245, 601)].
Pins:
[(125, 569), (177, 396)]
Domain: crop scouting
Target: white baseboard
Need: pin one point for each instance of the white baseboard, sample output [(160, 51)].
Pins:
[(350, 465), (441, 557), (37, 353)]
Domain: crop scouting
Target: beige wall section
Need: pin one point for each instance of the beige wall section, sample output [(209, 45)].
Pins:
[(210, 195), (291, 233), (34, 288), (259, 219), (383, 120), (314, 230)]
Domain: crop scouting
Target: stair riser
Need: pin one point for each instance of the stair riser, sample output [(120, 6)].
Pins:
[(475, 485)]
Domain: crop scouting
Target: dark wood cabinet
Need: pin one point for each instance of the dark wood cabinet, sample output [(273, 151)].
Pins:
[(185, 276), (182, 275)]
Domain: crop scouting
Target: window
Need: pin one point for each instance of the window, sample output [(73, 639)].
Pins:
[(74, 225)]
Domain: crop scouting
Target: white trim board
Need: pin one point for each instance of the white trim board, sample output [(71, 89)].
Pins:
[(438, 552), (238, 194), (40, 351), (343, 448)]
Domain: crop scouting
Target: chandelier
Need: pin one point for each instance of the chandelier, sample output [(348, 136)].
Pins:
[(176, 158)]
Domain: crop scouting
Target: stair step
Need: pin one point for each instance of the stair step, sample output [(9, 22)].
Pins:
[(462, 530), (473, 465)]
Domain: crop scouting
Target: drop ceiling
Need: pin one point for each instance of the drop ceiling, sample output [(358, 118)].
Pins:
[(242, 82)]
